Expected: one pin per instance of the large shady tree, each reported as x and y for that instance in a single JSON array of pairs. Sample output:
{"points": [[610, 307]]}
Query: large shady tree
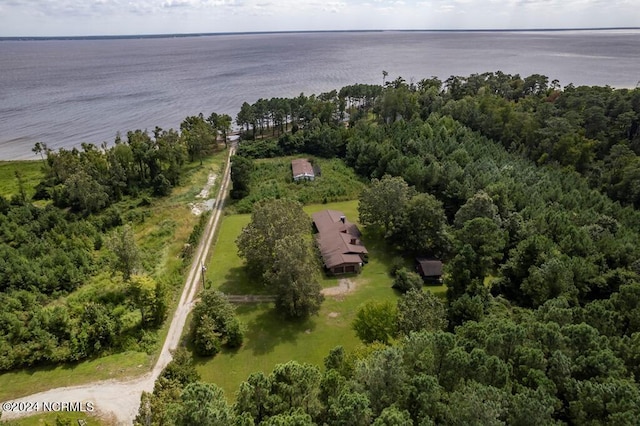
{"points": [[277, 251]]}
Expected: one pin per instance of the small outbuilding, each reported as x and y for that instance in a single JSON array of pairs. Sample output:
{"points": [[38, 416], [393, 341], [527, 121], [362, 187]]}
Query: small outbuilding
{"points": [[339, 243], [429, 269], [302, 169]]}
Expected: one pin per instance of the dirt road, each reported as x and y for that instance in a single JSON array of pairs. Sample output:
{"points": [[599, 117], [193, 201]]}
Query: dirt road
{"points": [[118, 401]]}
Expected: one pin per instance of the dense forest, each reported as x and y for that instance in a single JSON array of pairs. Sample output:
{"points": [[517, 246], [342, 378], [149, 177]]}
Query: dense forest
{"points": [[73, 282], [529, 192]]}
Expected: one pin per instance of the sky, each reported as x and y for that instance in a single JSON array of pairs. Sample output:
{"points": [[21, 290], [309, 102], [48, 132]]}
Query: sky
{"points": [[131, 17]]}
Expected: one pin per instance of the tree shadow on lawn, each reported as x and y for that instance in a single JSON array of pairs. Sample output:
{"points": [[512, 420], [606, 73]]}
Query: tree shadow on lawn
{"points": [[239, 281], [269, 328]]}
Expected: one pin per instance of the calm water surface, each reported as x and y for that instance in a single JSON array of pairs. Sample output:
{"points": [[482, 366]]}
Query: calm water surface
{"points": [[65, 92]]}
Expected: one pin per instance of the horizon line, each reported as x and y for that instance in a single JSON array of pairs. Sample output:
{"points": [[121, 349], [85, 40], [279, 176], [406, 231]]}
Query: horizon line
{"points": [[206, 34]]}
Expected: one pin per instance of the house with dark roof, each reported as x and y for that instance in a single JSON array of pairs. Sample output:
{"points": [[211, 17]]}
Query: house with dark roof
{"points": [[429, 269], [302, 169], [339, 242]]}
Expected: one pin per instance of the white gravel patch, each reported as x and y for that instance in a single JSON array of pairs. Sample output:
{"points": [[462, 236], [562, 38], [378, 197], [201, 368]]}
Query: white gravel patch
{"points": [[344, 286], [200, 207]]}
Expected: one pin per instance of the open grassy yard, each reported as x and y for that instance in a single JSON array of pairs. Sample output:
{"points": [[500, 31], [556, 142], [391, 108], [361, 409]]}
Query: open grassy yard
{"points": [[225, 268], [270, 339], [161, 230]]}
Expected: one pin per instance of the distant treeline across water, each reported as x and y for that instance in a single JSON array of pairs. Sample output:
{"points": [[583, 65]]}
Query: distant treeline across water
{"points": [[67, 91]]}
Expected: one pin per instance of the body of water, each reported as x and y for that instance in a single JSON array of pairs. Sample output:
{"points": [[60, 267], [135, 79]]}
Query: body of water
{"points": [[65, 92]]}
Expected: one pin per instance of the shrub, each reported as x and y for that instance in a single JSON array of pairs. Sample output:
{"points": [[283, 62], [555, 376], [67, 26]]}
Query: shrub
{"points": [[206, 340], [161, 185], [406, 280], [397, 263], [215, 324], [376, 322]]}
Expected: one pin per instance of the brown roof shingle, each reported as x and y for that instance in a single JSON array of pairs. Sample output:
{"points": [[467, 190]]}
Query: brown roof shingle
{"points": [[429, 267], [338, 239], [332, 220]]}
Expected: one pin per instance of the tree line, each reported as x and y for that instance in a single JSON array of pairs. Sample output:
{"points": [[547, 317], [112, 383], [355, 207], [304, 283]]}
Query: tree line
{"points": [[593, 130], [92, 178]]}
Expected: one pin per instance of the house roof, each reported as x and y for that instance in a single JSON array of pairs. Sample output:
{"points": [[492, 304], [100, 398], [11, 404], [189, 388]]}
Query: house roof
{"points": [[338, 239], [429, 267], [332, 220], [335, 254], [301, 167], [352, 243]]}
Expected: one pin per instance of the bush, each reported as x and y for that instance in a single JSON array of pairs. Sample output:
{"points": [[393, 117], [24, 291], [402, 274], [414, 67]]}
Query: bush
{"points": [[264, 148], [406, 280], [197, 231], [161, 186], [397, 263], [376, 322], [206, 340], [215, 324], [109, 218], [235, 333]]}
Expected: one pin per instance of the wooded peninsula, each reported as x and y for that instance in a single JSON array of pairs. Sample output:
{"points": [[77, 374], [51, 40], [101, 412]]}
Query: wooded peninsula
{"points": [[525, 191]]}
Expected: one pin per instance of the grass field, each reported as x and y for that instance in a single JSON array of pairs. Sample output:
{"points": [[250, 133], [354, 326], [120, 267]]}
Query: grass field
{"points": [[161, 231], [31, 174], [271, 178], [63, 417], [269, 338], [26, 381]]}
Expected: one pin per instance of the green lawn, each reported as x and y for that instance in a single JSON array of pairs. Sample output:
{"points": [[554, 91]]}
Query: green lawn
{"points": [[438, 290], [225, 269], [269, 338]]}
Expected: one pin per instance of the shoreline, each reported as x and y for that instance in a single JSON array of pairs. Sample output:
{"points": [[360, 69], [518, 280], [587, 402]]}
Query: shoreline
{"points": [[372, 30]]}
